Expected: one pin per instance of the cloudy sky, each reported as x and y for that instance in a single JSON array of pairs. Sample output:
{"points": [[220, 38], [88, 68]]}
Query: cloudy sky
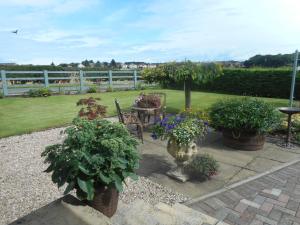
{"points": [[146, 30]]}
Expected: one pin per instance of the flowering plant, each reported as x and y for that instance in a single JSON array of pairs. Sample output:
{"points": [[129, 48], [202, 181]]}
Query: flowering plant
{"points": [[181, 128], [145, 101]]}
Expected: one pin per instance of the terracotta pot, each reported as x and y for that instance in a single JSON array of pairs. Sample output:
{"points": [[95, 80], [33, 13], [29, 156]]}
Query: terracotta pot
{"points": [[105, 200], [243, 140]]}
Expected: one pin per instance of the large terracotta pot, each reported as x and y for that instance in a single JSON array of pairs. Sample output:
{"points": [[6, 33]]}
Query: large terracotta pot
{"points": [[243, 140], [105, 200]]}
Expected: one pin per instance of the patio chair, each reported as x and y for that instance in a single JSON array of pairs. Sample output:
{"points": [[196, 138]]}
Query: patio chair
{"points": [[130, 118]]}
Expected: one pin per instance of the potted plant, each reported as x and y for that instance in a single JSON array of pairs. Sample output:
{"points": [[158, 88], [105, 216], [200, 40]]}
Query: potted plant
{"points": [[244, 121], [148, 101], [95, 159], [181, 132]]}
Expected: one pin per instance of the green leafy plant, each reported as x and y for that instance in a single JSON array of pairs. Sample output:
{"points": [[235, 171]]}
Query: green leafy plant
{"points": [[41, 92], [202, 166], [95, 153], [92, 90], [244, 114], [181, 128], [91, 110]]}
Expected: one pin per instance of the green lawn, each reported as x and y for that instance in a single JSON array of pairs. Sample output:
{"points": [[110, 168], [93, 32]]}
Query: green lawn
{"points": [[24, 115]]}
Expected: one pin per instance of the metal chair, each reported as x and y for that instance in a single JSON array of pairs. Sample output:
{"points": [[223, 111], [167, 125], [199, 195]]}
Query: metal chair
{"points": [[130, 118]]}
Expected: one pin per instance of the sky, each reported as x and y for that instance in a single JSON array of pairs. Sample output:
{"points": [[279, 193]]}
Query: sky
{"points": [[64, 31]]}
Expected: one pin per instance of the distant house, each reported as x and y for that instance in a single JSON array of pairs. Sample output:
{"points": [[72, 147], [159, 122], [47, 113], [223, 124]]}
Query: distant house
{"points": [[80, 66]]}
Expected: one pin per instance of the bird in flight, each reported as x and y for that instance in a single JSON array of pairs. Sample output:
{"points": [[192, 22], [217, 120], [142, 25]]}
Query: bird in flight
{"points": [[15, 32]]}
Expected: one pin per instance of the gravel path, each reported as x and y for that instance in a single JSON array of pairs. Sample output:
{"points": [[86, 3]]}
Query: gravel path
{"points": [[24, 187]]}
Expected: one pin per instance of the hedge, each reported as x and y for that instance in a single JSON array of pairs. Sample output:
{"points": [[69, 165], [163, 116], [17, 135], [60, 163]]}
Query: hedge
{"points": [[260, 82]]}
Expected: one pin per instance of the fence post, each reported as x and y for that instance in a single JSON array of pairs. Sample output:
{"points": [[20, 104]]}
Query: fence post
{"points": [[81, 81], [4, 83], [110, 78], [134, 79], [46, 81]]}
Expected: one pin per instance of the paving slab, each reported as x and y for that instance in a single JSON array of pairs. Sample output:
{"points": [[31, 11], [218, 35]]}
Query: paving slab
{"points": [[257, 201], [235, 165]]}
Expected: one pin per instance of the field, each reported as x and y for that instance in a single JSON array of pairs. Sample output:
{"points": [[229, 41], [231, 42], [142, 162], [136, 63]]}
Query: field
{"points": [[23, 115]]}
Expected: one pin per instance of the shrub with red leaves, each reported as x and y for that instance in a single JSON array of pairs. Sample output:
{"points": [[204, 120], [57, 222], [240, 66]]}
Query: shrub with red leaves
{"points": [[91, 110]]}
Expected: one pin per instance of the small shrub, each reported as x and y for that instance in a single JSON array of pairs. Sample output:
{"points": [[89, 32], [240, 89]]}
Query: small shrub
{"points": [[41, 92], [244, 114], [92, 90], [202, 166], [91, 110], [109, 89]]}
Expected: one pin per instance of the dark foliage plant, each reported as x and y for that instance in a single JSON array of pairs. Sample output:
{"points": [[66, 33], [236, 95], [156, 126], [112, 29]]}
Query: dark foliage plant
{"points": [[95, 153], [202, 167], [244, 114], [91, 108], [41, 92]]}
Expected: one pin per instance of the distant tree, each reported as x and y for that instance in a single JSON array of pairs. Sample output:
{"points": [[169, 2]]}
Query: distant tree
{"points": [[113, 64], [52, 64], [269, 60], [105, 64], [86, 63], [98, 64], [183, 73], [63, 65]]}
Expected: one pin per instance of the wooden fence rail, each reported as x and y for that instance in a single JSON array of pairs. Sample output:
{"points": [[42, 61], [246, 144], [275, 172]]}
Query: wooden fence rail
{"points": [[47, 79]]}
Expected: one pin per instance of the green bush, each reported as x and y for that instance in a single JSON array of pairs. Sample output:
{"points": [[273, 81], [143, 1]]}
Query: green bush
{"points": [[92, 90], [244, 114], [202, 166], [95, 153], [41, 92], [1, 95]]}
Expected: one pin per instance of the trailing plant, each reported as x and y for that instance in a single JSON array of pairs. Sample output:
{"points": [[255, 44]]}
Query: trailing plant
{"points": [[91, 110], [41, 92], [148, 101], [202, 166], [95, 153], [92, 90], [244, 114], [181, 128]]}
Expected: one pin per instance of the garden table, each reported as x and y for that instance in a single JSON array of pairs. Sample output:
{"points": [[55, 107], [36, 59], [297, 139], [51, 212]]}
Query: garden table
{"points": [[290, 111], [143, 112]]}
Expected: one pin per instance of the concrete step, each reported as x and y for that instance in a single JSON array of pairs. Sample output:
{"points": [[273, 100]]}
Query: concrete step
{"points": [[142, 213]]}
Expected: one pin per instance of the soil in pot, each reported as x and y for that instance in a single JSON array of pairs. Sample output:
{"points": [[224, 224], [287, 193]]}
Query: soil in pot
{"points": [[243, 140], [105, 200]]}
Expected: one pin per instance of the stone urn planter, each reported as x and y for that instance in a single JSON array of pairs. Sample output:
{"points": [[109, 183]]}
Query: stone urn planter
{"points": [[243, 140], [182, 155], [105, 200]]}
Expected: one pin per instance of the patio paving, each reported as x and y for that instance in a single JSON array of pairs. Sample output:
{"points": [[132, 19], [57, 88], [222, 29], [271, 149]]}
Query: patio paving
{"points": [[235, 165], [272, 199]]}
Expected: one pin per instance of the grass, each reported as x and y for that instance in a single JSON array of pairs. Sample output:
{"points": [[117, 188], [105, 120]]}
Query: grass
{"points": [[24, 115]]}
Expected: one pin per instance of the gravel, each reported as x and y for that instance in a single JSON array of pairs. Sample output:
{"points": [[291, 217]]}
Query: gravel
{"points": [[24, 186]]}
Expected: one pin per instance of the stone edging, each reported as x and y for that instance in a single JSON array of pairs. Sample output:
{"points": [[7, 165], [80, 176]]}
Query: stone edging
{"points": [[201, 198]]}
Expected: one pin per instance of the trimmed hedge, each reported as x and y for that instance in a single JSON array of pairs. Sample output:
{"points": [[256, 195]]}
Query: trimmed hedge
{"points": [[269, 82]]}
